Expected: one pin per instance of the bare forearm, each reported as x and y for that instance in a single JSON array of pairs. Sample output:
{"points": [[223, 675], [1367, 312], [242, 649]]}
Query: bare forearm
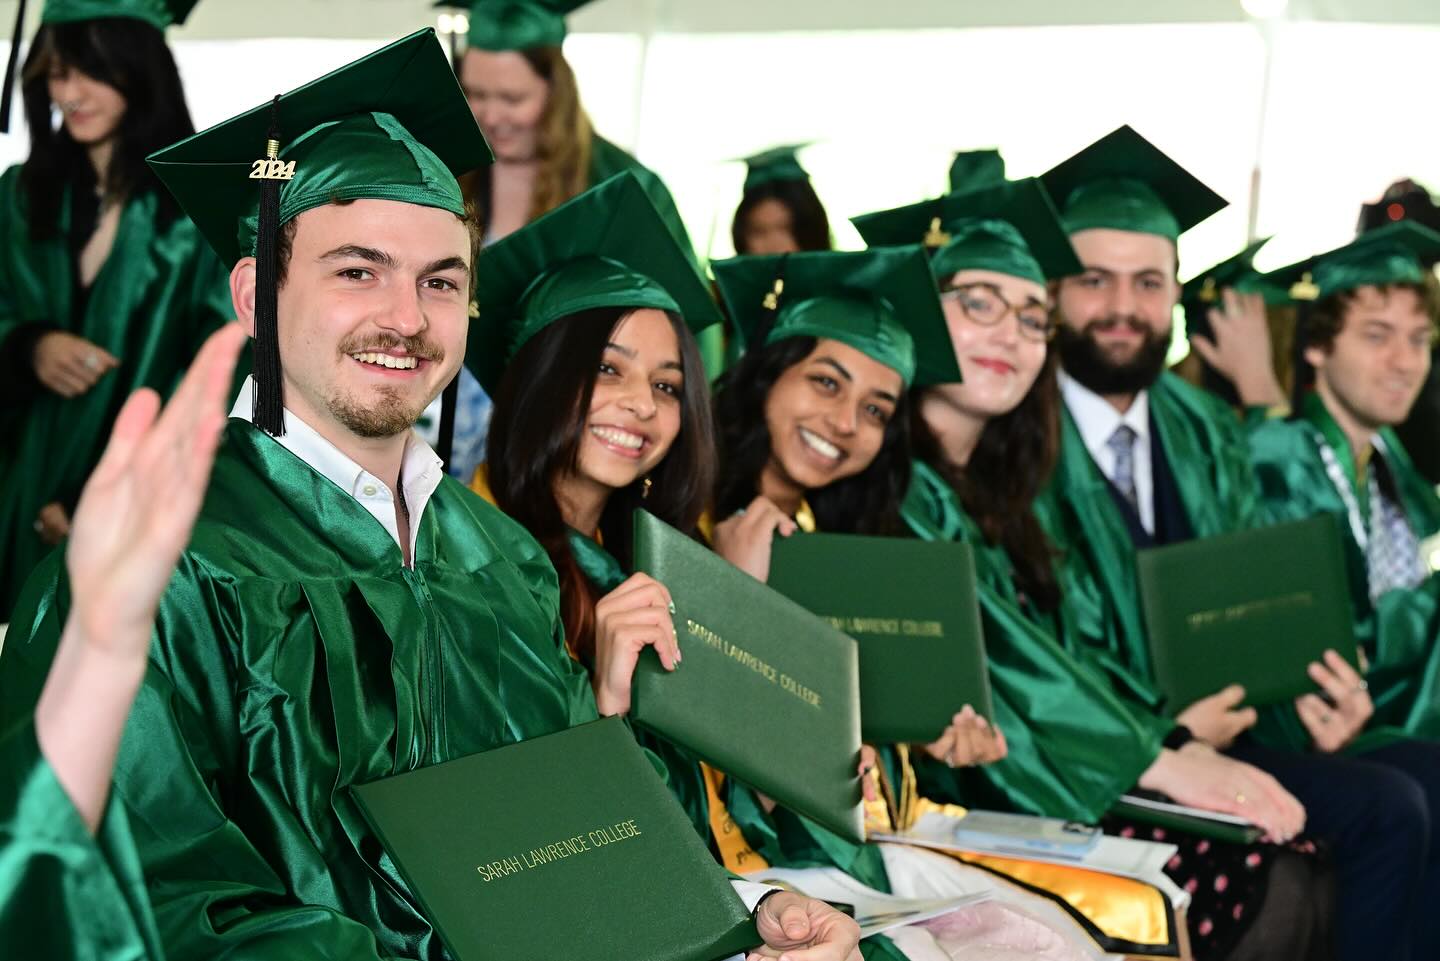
{"points": [[81, 716]]}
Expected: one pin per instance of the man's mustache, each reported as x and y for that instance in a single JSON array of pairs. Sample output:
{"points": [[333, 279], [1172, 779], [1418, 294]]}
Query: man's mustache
{"points": [[378, 343], [1135, 324]]}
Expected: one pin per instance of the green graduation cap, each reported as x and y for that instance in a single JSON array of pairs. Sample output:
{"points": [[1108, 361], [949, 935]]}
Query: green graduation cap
{"points": [[158, 13], [1010, 227], [774, 165], [882, 302], [1124, 182], [608, 247], [1237, 273], [516, 24], [973, 169], [391, 126], [1400, 253]]}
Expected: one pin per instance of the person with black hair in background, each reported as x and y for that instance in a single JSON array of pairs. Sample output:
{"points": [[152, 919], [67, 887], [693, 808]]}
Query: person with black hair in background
{"points": [[779, 211], [105, 287]]}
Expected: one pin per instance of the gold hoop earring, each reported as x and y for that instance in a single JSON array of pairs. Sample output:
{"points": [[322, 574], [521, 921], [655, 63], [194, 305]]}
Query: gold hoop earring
{"points": [[645, 487]]}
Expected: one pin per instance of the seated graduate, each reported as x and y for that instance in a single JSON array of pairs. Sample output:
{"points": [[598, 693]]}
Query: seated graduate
{"points": [[984, 449], [586, 339], [1148, 460], [322, 631], [69, 878], [1366, 338], [779, 211], [813, 427]]}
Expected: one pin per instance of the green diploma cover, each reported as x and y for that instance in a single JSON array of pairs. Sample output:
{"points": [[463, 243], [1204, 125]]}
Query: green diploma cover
{"points": [[1254, 607], [564, 846], [911, 606], [766, 691]]}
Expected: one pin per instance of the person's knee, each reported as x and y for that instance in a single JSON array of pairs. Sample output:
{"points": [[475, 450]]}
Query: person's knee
{"points": [[1399, 807]]}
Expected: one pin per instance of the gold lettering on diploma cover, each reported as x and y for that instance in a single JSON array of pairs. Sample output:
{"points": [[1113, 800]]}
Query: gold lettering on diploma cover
{"points": [[887, 626], [744, 657], [1221, 616], [558, 851]]}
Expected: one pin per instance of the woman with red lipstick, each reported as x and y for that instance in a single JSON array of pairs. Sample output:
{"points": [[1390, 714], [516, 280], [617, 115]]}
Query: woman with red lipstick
{"points": [[104, 287], [984, 449]]}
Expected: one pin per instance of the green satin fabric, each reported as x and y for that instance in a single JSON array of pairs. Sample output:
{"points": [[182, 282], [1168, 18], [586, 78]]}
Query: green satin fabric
{"points": [[1204, 442], [158, 13], [1368, 267], [1119, 203], [986, 244], [296, 658], [367, 156], [782, 838], [66, 896], [157, 297], [514, 25], [586, 284], [1075, 747], [1399, 631], [867, 324]]}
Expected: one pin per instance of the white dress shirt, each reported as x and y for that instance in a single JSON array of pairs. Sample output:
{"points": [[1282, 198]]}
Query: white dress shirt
{"points": [[421, 469], [1098, 421]]}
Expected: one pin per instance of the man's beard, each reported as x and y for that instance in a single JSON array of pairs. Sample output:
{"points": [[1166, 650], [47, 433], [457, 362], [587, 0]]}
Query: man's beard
{"points": [[1083, 358], [388, 413], [387, 416]]}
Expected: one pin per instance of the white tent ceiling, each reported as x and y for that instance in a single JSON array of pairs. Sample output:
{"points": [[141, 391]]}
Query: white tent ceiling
{"points": [[227, 19]]}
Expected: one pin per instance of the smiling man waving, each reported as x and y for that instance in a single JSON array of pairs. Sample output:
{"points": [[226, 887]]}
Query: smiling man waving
{"points": [[344, 611]]}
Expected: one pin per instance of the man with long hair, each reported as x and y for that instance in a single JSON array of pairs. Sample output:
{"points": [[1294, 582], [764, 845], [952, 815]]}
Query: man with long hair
{"points": [[1148, 460]]}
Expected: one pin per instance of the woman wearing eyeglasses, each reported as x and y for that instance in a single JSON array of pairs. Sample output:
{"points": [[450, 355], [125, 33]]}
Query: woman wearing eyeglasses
{"points": [[984, 449]]}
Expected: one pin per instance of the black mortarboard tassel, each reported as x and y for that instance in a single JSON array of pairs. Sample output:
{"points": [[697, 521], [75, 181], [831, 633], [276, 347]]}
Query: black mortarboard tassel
{"points": [[8, 96], [268, 413]]}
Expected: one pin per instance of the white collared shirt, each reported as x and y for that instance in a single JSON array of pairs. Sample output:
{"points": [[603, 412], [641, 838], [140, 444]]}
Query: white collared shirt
{"points": [[421, 469], [1098, 421]]}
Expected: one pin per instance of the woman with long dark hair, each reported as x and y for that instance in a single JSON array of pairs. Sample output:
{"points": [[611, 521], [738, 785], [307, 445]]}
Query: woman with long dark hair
{"points": [[984, 450], [779, 211], [598, 411], [104, 286]]}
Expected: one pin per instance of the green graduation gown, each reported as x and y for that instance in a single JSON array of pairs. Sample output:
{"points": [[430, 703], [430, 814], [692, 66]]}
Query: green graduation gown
{"points": [[1399, 629], [1217, 488], [159, 294], [1075, 746], [65, 895], [294, 656]]}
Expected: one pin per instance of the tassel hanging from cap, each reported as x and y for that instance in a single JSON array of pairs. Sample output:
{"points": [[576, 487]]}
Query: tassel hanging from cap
{"points": [[935, 236], [7, 97], [269, 410]]}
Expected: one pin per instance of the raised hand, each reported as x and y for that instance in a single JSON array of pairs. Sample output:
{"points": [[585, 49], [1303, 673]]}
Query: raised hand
{"points": [[634, 616], [1241, 348], [133, 520]]}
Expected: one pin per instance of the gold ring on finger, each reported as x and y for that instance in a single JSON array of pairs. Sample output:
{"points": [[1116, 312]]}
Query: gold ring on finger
{"points": [[1239, 797]]}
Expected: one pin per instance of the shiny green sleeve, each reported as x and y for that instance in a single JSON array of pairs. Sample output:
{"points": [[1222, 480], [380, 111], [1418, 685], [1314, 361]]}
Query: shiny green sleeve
{"points": [[213, 892], [65, 895]]}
